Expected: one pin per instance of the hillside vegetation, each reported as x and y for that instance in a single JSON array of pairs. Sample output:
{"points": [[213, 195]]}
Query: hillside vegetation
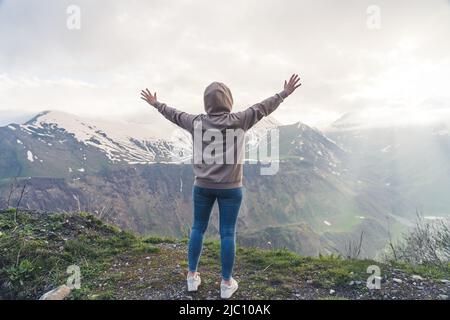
{"points": [[37, 247]]}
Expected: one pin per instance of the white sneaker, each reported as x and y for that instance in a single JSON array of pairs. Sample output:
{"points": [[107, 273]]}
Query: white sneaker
{"points": [[227, 291], [193, 282]]}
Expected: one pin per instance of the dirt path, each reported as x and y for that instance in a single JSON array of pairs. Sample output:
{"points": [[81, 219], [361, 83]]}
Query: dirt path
{"points": [[162, 276]]}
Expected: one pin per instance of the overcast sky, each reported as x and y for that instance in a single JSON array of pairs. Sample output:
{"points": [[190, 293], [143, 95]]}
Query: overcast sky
{"points": [[400, 70]]}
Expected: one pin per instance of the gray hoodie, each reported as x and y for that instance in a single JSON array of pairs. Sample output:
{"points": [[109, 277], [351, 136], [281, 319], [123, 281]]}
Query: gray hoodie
{"points": [[214, 127]]}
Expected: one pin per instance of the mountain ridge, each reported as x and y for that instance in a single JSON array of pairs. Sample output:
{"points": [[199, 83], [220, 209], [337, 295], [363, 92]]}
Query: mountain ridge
{"points": [[320, 182]]}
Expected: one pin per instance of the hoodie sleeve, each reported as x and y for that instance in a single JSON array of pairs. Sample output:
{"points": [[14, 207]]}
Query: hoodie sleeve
{"points": [[180, 118], [248, 118]]}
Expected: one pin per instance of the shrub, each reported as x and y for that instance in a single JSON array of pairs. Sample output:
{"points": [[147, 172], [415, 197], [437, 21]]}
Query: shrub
{"points": [[427, 244]]}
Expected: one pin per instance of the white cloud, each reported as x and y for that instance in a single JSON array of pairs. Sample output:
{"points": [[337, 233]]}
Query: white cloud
{"points": [[177, 48]]}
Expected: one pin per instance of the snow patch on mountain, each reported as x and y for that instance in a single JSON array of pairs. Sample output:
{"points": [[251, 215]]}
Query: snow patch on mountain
{"points": [[134, 143], [30, 156], [123, 141]]}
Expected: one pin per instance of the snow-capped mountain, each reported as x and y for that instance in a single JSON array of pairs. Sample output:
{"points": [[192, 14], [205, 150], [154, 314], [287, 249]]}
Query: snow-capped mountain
{"points": [[313, 147], [133, 173], [119, 141], [60, 144]]}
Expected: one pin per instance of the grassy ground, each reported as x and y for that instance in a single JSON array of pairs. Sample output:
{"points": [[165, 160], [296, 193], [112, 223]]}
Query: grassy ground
{"points": [[36, 249]]}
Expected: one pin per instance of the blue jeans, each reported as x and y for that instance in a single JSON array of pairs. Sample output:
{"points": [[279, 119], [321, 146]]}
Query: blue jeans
{"points": [[229, 201]]}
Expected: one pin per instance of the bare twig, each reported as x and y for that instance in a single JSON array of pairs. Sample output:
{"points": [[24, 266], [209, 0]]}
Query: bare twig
{"points": [[266, 268], [19, 201], [78, 203], [105, 211], [354, 247], [391, 244], [18, 253], [360, 244], [12, 187]]}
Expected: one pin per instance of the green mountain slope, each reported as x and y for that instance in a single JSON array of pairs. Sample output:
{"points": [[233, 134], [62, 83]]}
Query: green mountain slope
{"points": [[38, 247]]}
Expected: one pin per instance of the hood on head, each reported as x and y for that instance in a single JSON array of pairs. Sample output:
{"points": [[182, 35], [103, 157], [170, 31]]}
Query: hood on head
{"points": [[217, 99]]}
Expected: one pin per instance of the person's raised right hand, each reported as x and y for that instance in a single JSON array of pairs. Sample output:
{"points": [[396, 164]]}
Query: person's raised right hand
{"points": [[148, 97]]}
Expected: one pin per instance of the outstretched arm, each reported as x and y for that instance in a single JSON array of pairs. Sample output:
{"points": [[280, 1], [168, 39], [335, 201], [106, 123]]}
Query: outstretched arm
{"points": [[252, 115], [180, 118]]}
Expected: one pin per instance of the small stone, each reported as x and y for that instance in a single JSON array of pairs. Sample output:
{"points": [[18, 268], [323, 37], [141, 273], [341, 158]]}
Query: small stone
{"points": [[416, 277], [147, 258], [309, 281], [420, 287], [396, 280], [59, 293], [445, 281], [443, 297], [332, 291], [351, 283]]}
